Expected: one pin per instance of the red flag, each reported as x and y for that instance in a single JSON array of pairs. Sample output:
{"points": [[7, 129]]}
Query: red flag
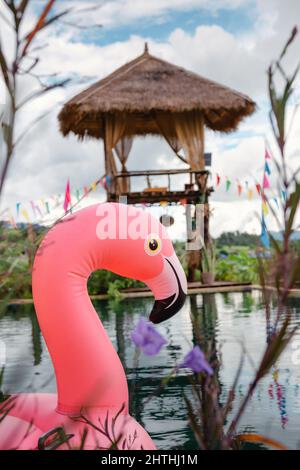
{"points": [[67, 200], [240, 188], [218, 179], [267, 154], [258, 188]]}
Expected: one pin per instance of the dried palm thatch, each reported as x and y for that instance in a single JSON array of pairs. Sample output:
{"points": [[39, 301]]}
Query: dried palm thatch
{"points": [[148, 86]]}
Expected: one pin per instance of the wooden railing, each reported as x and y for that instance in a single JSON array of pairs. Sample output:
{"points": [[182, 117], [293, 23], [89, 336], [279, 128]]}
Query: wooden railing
{"points": [[121, 185]]}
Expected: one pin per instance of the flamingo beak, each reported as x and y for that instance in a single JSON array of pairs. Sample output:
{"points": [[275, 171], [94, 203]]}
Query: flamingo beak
{"points": [[169, 289]]}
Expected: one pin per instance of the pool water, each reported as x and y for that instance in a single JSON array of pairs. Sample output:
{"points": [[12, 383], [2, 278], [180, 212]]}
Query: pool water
{"points": [[228, 321]]}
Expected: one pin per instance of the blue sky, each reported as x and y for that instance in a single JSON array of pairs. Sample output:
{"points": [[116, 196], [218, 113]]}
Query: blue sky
{"points": [[159, 28]]}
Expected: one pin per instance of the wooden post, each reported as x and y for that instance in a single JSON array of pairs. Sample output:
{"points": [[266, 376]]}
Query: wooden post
{"points": [[108, 170]]}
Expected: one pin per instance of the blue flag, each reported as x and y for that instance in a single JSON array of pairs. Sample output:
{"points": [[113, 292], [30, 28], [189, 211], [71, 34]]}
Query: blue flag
{"points": [[264, 235], [267, 168]]}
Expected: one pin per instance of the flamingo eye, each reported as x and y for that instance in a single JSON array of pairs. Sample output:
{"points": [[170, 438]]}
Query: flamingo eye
{"points": [[152, 244]]}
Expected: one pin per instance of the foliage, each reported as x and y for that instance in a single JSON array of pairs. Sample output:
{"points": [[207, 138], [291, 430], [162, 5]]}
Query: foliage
{"points": [[239, 265]]}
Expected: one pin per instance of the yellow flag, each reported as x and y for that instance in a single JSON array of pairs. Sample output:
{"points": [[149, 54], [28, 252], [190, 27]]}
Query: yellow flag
{"points": [[250, 194], [25, 215], [265, 208], [94, 186]]}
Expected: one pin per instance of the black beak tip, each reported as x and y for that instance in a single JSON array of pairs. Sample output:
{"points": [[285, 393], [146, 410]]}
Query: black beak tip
{"points": [[165, 309]]}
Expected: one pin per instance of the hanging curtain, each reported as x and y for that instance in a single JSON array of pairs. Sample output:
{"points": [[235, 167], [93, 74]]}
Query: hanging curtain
{"points": [[122, 149], [184, 131], [190, 133], [114, 130], [165, 124]]}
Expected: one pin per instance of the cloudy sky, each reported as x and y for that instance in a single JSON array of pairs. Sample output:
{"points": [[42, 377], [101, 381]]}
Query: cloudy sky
{"points": [[229, 41]]}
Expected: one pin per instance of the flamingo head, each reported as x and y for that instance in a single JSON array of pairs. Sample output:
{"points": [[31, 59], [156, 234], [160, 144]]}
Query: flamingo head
{"points": [[139, 248]]}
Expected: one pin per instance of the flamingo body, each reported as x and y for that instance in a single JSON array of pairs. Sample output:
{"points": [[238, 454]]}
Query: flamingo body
{"points": [[92, 392]]}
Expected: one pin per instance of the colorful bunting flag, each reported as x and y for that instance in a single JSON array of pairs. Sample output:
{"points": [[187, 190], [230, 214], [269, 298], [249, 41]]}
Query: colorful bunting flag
{"points": [[267, 154], [25, 215], [239, 188], [265, 208], [267, 168], [218, 179], [228, 184], [250, 194], [264, 234], [266, 183], [94, 186], [67, 200], [18, 205], [258, 188]]}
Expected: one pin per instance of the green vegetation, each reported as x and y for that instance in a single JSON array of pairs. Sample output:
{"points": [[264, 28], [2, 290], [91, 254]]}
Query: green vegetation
{"points": [[233, 262]]}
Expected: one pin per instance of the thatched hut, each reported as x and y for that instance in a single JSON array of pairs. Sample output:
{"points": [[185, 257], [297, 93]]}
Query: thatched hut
{"points": [[151, 96]]}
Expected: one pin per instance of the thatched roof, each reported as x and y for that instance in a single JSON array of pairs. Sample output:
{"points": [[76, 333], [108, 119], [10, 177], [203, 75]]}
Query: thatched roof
{"points": [[149, 85]]}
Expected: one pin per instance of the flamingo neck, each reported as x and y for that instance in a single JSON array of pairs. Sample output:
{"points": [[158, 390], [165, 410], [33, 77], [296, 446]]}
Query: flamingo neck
{"points": [[87, 368]]}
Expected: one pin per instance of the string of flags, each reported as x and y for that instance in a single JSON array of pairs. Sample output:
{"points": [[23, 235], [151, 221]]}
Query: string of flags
{"points": [[37, 210], [265, 209]]}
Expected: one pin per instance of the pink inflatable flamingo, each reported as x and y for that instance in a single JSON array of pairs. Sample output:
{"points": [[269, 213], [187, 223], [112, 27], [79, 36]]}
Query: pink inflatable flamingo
{"points": [[92, 393]]}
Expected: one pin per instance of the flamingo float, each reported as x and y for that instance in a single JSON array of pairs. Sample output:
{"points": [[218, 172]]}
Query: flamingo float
{"points": [[91, 403]]}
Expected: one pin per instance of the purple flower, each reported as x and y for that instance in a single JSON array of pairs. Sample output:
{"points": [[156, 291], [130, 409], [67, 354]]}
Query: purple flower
{"points": [[196, 361], [145, 337]]}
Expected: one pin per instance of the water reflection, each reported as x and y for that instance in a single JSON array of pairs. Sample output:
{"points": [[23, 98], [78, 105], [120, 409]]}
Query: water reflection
{"points": [[220, 323]]}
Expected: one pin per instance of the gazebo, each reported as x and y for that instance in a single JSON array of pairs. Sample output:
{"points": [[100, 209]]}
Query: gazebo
{"points": [[151, 96]]}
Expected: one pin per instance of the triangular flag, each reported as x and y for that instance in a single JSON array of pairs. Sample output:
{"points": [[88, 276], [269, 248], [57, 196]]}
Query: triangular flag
{"points": [[267, 154], [47, 207], [67, 200], [228, 184], [250, 194], [239, 188], [77, 194], [265, 208], [86, 190], [258, 188], [283, 194], [267, 168], [18, 205], [218, 179], [94, 186], [264, 234], [266, 183], [25, 215]]}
